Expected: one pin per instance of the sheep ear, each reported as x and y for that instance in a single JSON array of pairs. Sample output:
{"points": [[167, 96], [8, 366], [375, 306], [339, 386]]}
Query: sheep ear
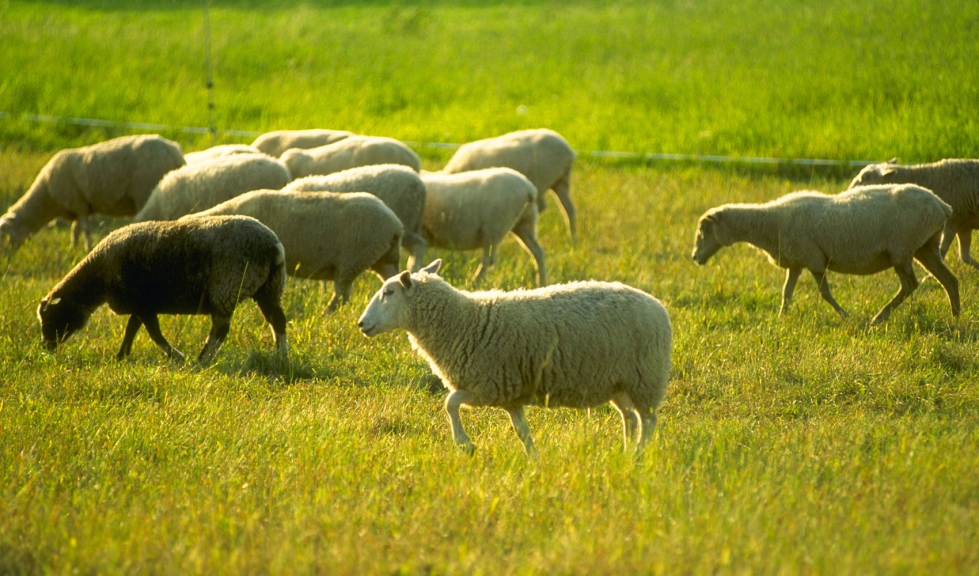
{"points": [[886, 171], [892, 160], [434, 267], [54, 301], [405, 279]]}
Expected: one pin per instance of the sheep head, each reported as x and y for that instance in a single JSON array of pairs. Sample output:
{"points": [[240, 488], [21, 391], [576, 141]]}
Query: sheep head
{"points": [[386, 310], [875, 174], [712, 235], [59, 320]]}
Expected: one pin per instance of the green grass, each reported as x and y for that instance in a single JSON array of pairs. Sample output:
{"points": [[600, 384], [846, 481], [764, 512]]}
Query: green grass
{"points": [[796, 444]]}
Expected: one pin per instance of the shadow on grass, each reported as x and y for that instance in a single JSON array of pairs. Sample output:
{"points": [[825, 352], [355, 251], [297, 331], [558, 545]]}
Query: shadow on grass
{"points": [[274, 366]]}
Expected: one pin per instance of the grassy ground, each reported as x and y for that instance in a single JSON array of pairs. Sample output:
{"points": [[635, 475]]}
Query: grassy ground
{"points": [[800, 444]]}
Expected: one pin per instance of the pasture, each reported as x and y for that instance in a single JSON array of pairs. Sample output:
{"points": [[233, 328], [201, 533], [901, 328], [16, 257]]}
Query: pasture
{"points": [[798, 444]]}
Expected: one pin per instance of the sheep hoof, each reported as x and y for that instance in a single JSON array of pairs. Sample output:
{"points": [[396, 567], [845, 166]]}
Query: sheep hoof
{"points": [[468, 448]]}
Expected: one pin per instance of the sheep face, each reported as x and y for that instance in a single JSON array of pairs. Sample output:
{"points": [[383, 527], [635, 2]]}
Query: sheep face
{"points": [[711, 237], [386, 310], [12, 234], [59, 320], [875, 174]]}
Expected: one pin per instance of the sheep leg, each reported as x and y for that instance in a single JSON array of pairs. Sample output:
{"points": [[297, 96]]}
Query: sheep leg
{"points": [[276, 317], [562, 188], [152, 324], [79, 229], [791, 277], [520, 426], [415, 245], [342, 287], [948, 233], [905, 271], [489, 259], [526, 233], [965, 247], [623, 403], [647, 425], [220, 326], [931, 258], [453, 401], [132, 327], [823, 283]]}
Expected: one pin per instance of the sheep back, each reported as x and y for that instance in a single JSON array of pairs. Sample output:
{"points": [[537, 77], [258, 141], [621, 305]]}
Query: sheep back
{"points": [[200, 186], [461, 210], [542, 155], [326, 235], [956, 181], [220, 151], [276, 142], [350, 152], [399, 187], [574, 345]]}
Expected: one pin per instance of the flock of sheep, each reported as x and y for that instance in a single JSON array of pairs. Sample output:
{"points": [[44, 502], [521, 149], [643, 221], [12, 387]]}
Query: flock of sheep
{"points": [[231, 222]]}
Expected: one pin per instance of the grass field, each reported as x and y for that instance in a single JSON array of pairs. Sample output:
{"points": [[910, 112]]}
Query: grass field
{"points": [[796, 444]]}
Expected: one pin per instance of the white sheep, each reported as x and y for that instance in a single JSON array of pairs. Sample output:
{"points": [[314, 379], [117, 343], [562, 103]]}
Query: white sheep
{"points": [[351, 152], [326, 235], [575, 345], [398, 186], [954, 181], [477, 209], [861, 231], [277, 142], [197, 187], [220, 151], [114, 177], [203, 266], [542, 155]]}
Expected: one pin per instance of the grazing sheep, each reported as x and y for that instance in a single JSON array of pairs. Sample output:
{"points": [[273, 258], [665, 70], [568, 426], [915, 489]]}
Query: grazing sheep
{"points": [[399, 187], [351, 152], [861, 231], [202, 266], [114, 177], [200, 186], [477, 209], [542, 155], [576, 345], [954, 181], [326, 235], [221, 151], [277, 142]]}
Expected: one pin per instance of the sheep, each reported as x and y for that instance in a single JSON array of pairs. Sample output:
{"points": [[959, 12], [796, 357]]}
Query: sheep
{"points": [[477, 209], [861, 231], [277, 142], [954, 181], [576, 345], [399, 187], [326, 235], [114, 177], [221, 151], [351, 152], [200, 186], [541, 155], [202, 266]]}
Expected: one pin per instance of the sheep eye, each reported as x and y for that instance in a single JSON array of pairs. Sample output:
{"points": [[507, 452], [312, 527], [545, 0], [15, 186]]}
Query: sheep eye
{"points": [[387, 292]]}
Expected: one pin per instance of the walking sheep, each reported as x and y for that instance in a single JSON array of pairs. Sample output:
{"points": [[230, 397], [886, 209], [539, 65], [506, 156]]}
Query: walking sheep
{"points": [[954, 181], [201, 266], [114, 177], [351, 152], [399, 187], [326, 235], [861, 231], [221, 151], [277, 142], [541, 155], [477, 209], [200, 186], [576, 345]]}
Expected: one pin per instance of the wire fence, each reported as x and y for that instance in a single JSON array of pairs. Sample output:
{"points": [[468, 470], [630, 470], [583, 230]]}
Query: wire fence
{"points": [[700, 158]]}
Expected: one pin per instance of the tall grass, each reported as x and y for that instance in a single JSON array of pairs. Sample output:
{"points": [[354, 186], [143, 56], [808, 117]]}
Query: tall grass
{"points": [[797, 444]]}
